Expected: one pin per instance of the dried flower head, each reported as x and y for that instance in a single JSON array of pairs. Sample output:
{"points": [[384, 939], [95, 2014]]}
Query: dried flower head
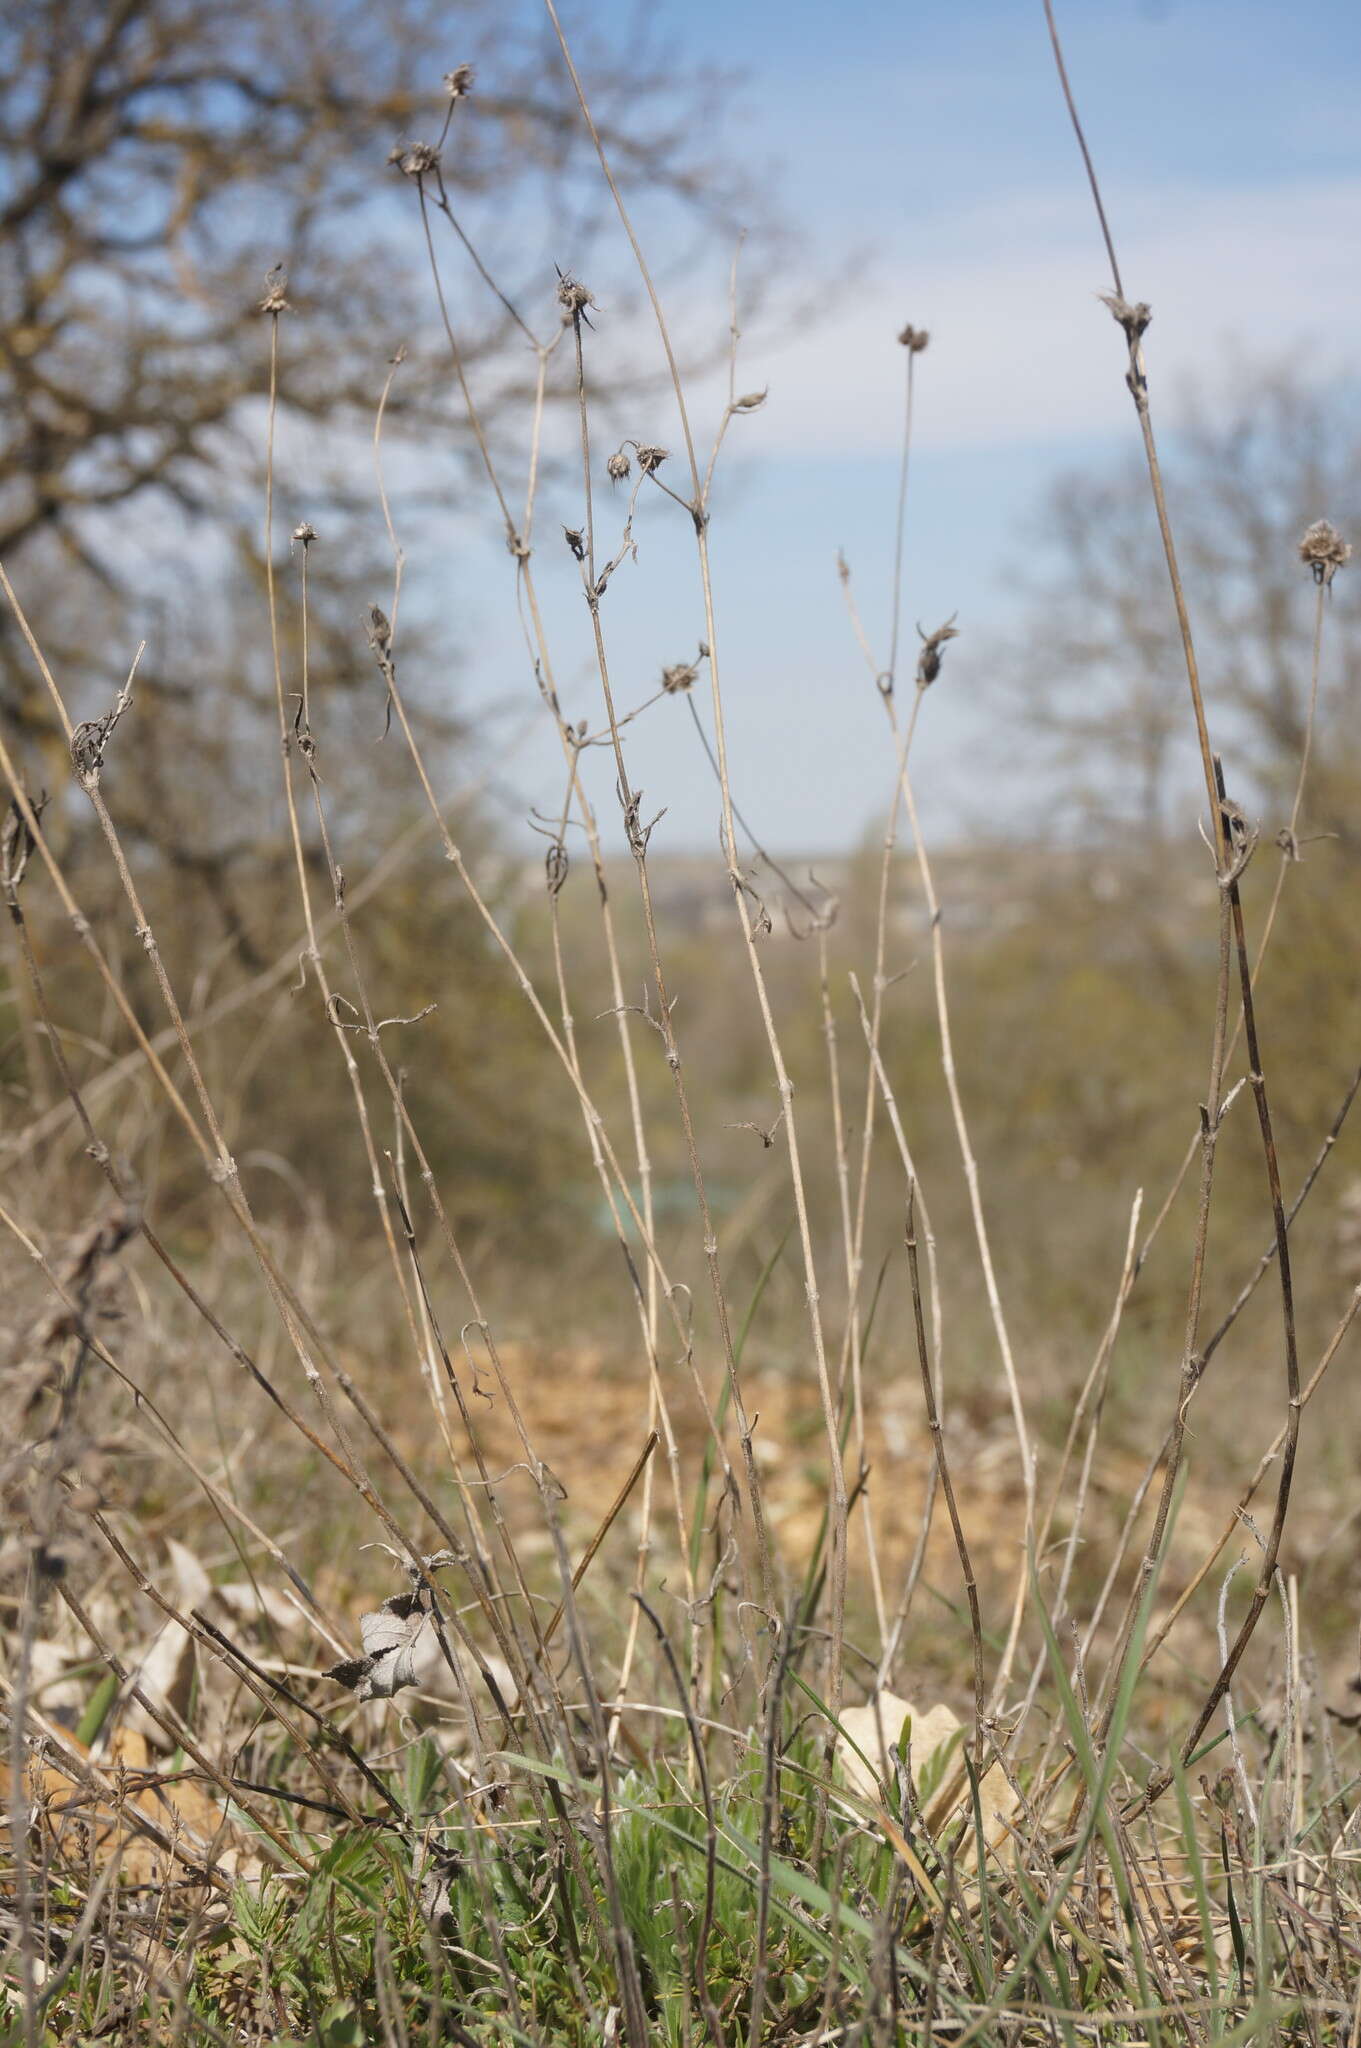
{"points": [[573, 297], [679, 677], [751, 400], [914, 339], [303, 533], [573, 537], [275, 284], [379, 629], [618, 467], [458, 83], [933, 651], [415, 159], [650, 459], [1134, 319], [1324, 551]]}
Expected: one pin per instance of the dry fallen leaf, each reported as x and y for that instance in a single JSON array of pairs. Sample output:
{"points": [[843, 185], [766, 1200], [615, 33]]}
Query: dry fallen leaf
{"points": [[119, 1805], [934, 1740]]}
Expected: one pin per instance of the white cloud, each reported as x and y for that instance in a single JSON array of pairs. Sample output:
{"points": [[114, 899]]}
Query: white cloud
{"points": [[1022, 351]]}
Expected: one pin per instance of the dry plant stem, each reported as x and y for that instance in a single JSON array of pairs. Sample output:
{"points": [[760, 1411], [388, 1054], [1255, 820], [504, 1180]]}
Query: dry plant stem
{"points": [[837, 1495], [837, 1501], [947, 1485], [878, 990], [18, 1813], [1209, 1348], [900, 527], [658, 1409], [81, 925], [642, 1221], [101, 1154], [1211, 1123], [854, 1233], [699, 1967], [1093, 1393], [1289, 854], [21, 1143], [1264, 1465], [659, 1416], [770, 1796], [226, 1509], [848, 1252], [619, 1178], [304, 741], [852, 1342], [970, 1165], [637, 837], [1130, 319], [223, 1171], [598, 1827], [1268, 928], [612, 1515], [1290, 1444], [222, 1167], [517, 1656], [645, 1294], [488, 1595], [1249, 1287], [914, 1569]]}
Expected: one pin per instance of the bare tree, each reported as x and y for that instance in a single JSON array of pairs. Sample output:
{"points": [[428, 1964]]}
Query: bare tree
{"points": [[156, 158], [1101, 681]]}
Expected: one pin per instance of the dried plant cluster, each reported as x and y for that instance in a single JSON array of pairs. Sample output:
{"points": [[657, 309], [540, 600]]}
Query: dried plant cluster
{"points": [[638, 1767]]}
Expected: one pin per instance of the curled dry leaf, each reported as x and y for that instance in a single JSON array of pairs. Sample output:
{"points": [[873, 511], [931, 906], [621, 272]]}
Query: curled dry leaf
{"points": [[934, 1740], [390, 1638]]}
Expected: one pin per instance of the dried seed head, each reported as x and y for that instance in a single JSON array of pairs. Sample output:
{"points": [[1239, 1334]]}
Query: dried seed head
{"points": [[458, 83], [618, 467], [1134, 319], [303, 533], [750, 400], [415, 159], [933, 651], [914, 339], [379, 631], [573, 297], [679, 677], [572, 536], [650, 459], [1324, 550], [275, 283]]}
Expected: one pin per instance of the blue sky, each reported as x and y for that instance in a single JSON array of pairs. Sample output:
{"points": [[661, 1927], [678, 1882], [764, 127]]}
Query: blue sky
{"points": [[923, 158]]}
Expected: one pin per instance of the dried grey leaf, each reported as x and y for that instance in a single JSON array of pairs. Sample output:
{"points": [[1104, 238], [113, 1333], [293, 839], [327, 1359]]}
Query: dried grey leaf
{"points": [[389, 1636]]}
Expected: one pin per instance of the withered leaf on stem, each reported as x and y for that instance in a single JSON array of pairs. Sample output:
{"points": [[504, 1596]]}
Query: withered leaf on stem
{"points": [[389, 1637]]}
